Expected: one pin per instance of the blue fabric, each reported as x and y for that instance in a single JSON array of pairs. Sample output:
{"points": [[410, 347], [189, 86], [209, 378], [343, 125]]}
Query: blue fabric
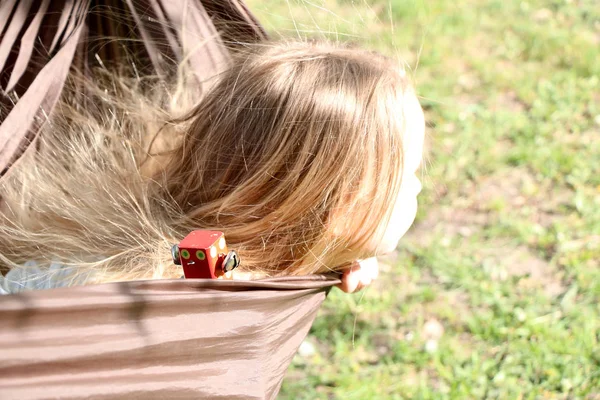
{"points": [[33, 277]]}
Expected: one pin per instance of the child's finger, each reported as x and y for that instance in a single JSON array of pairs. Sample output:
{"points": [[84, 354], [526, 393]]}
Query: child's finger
{"points": [[359, 275], [350, 279]]}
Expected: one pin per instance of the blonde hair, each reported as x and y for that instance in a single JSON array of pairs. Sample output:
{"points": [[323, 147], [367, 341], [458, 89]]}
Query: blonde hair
{"points": [[295, 153]]}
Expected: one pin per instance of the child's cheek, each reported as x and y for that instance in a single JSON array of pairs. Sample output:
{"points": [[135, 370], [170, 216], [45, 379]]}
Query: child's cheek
{"points": [[402, 218]]}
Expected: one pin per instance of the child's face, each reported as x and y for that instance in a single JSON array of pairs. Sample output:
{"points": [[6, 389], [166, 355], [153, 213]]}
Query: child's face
{"points": [[405, 208]]}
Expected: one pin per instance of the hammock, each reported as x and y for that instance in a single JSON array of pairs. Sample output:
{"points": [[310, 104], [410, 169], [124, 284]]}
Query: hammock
{"points": [[162, 339]]}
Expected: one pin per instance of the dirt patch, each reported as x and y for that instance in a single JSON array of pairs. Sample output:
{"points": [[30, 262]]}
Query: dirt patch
{"points": [[510, 185], [512, 189], [446, 223], [517, 190], [512, 193], [508, 101], [457, 300], [504, 261], [482, 202]]}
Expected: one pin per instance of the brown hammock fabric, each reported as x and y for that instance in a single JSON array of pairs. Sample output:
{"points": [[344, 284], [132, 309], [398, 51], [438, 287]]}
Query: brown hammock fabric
{"points": [[163, 339], [184, 339]]}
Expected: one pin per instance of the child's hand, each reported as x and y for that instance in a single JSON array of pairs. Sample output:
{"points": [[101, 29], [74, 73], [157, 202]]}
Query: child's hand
{"points": [[359, 275]]}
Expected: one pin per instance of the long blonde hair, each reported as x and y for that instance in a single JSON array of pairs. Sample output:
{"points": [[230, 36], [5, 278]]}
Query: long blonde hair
{"points": [[295, 153]]}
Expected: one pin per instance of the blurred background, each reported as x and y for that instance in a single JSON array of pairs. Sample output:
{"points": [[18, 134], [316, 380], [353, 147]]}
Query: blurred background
{"points": [[495, 291]]}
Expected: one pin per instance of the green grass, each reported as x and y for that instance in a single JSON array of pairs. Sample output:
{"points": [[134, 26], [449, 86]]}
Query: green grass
{"points": [[505, 254]]}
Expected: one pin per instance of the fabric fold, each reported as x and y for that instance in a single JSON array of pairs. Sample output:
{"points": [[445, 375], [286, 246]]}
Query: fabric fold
{"points": [[41, 41]]}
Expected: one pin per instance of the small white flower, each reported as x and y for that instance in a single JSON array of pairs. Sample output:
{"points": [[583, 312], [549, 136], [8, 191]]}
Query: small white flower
{"points": [[306, 349], [431, 346]]}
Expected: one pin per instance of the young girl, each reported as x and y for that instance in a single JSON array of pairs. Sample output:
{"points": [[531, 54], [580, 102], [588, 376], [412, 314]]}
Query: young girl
{"points": [[305, 155]]}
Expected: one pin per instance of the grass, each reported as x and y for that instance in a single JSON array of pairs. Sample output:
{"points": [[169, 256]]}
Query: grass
{"points": [[495, 293]]}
